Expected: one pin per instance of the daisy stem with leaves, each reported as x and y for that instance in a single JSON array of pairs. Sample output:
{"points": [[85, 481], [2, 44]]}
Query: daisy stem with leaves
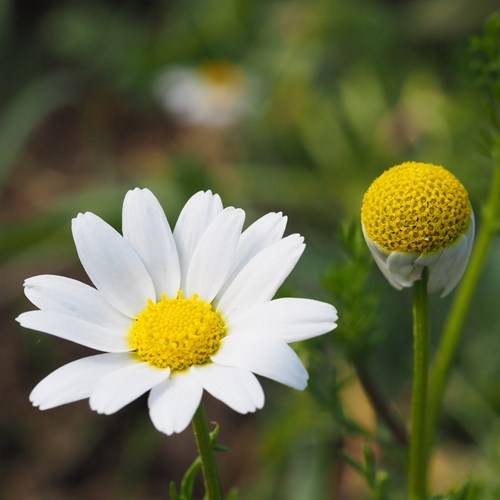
{"points": [[447, 348], [418, 223], [205, 445], [175, 314], [417, 469], [486, 50]]}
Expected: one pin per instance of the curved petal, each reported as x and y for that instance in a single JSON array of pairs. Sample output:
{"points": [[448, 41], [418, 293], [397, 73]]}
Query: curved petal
{"points": [[262, 233], [72, 297], [121, 387], [449, 268], [288, 319], [404, 268], [76, 380], [199, 211], [238, 389], [213, 257], [259, 280], [75, 329], [173, 403], [146, 228], [112, 264], [266, 356], [397, 267]]}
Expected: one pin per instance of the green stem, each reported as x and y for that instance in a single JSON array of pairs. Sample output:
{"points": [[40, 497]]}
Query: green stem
{"points": [[213, 488], [447, 348], [417, 465], [380, 404]]}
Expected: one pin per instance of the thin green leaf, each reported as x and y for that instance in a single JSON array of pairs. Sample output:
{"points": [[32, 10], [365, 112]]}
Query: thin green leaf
{"points": [[187, 483]]}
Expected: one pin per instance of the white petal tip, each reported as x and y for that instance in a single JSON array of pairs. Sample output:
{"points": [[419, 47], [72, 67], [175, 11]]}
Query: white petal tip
{"points": [[39, 403], [101, 410], [138, 191], [35, 402], [22, 317], [43, 407], [169, 431], [302, 380], [302, 386], [28, 282], [82, 215]]}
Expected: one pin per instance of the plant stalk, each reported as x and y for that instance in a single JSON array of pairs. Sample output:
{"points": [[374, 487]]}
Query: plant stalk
{"points": [[448, 345], [213, 488], [417, 460], [381, 405]]}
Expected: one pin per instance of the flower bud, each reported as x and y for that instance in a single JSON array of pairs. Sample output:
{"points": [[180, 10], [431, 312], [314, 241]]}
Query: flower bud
{"points": [[418, 215]]}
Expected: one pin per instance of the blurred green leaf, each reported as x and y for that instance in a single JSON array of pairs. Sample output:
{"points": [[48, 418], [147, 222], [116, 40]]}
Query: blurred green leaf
{"points": [[26, 110]]}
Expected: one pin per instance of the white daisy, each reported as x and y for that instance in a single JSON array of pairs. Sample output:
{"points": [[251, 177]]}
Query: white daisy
{"points": [[216, 94], [176, 313]]}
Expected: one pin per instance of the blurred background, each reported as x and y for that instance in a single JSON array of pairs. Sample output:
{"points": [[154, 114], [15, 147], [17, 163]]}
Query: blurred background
{"points": [[292, 106]]}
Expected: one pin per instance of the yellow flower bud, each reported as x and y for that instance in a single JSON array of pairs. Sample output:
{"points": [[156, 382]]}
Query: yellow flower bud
{"points": [[418, 215]]}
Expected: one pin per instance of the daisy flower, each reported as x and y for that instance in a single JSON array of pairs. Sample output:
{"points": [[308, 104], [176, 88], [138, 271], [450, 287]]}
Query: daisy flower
{"points": [[418, 215], [176, 313], [215, 94]]}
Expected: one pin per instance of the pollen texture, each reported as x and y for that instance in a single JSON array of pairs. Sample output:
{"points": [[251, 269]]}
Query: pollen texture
{"points": [[415, 208], [177, 333]]}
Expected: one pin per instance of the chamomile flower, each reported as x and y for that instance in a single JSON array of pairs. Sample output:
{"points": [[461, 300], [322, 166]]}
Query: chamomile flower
{"points": [[176, 313], [215, 94], [418, 215]]}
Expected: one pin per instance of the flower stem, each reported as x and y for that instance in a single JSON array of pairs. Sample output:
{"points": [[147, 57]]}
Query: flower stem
{"points": [[213, 488], [380, 404], [447, 348], [417, 462]]}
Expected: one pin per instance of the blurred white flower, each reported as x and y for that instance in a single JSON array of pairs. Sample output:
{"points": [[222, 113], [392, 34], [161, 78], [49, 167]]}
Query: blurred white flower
{"points": [[176, 313], [217, 94]]}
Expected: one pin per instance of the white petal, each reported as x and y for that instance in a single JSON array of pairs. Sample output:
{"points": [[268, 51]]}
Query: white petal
{"points": [[446, 272], [68, 296], [288, 319], [173, 403], [75, 380], [214, 254], [259, 280], [197, 214], [75, 329], [112, 264], [239, 389], [398, 268], [404, 268], [121, 387], [262, 233], [266, 356], [146, 228], [446, 266]]}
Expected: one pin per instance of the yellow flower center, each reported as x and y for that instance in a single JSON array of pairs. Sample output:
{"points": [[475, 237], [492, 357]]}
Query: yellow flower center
{"points": [[222, 73], [415, 208], [177, 333]]}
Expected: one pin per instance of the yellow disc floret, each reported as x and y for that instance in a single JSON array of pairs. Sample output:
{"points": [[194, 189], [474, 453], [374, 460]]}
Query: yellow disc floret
{"points": [[177, 333], [415, 208]]}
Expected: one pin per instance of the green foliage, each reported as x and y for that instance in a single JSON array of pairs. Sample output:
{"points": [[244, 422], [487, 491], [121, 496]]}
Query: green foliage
{"points": [[353, 291], [376, 480], [471, 490], [186, 489], [486, 67]]}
